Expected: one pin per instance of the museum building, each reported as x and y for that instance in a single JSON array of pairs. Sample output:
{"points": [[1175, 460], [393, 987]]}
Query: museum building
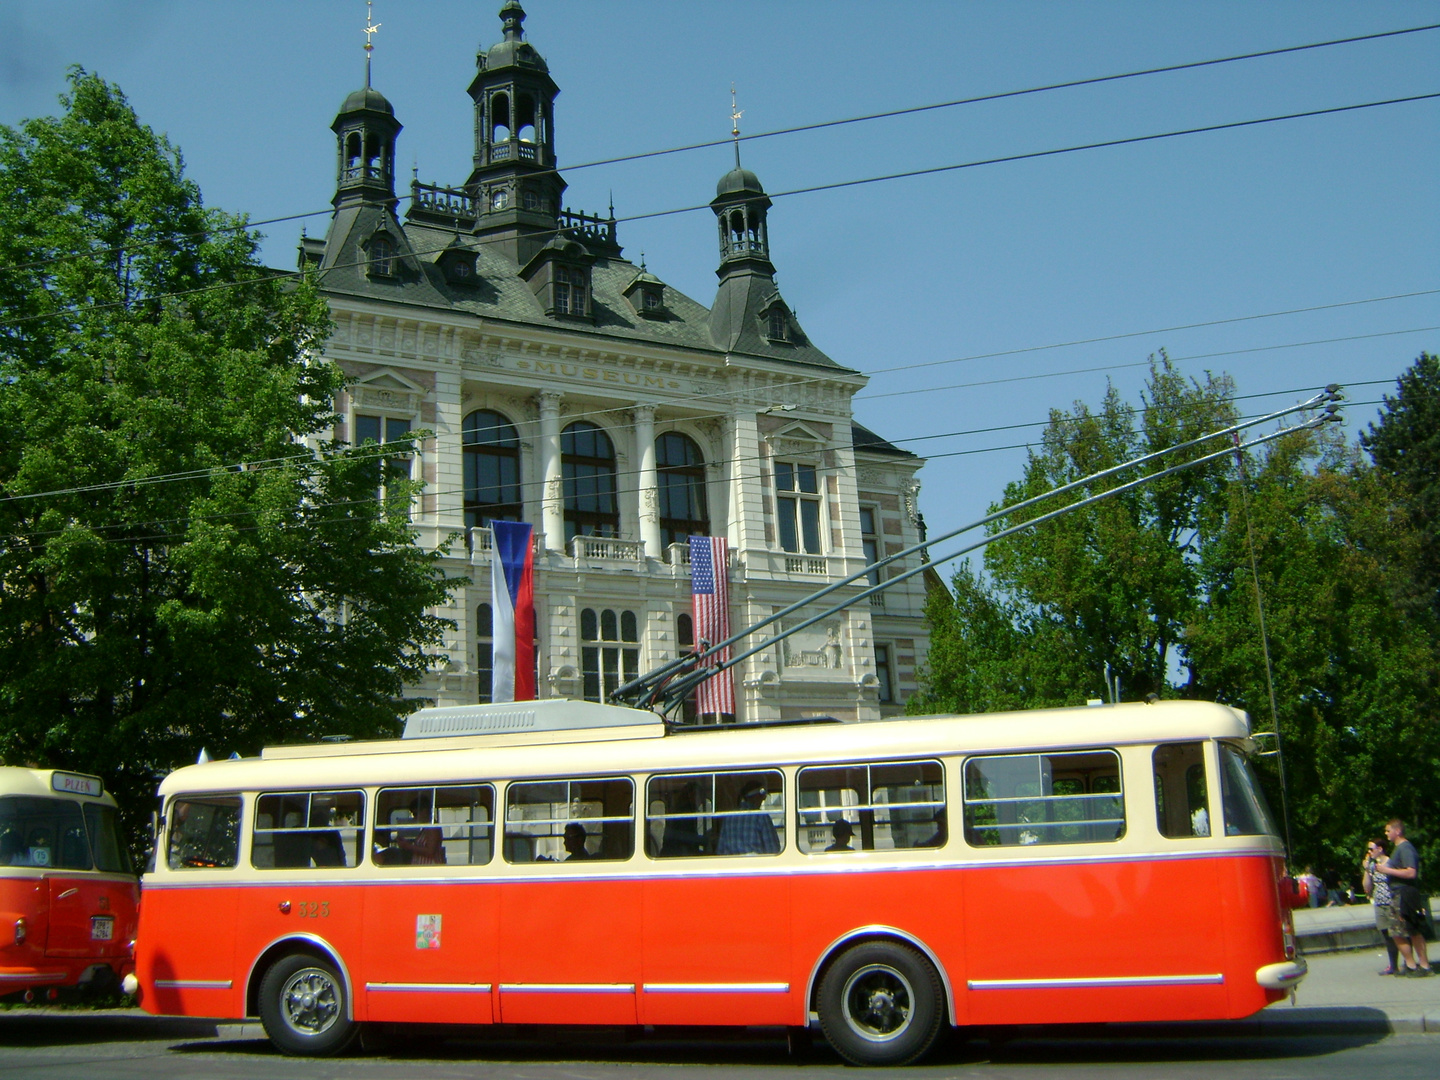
{"points": [[567, 387]]}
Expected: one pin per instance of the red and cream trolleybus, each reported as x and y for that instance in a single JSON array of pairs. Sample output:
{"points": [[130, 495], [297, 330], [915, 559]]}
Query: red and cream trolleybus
{"points": [[67, 891], [562, 862]]}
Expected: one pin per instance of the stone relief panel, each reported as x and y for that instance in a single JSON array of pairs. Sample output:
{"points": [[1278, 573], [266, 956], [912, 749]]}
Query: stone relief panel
{"points": [[816, 648]]}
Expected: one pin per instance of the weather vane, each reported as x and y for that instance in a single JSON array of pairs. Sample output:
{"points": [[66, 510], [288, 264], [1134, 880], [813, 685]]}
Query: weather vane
{"points": [[735, 115], [370, 27]]}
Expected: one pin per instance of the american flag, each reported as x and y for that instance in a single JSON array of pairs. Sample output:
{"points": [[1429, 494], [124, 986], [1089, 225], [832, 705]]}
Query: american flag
{"points": [[710, 596]]}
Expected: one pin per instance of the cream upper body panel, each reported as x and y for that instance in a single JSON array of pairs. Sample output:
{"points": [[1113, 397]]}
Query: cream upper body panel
{"points": [[574, 753]]}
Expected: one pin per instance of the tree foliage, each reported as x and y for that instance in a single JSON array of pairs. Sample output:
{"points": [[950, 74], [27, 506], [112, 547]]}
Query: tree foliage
{"points": [[184, 561], [1159, 585]]}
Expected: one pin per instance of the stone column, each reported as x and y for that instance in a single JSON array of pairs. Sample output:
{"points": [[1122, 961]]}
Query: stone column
{"points": [[552, 491], [649, 484]]}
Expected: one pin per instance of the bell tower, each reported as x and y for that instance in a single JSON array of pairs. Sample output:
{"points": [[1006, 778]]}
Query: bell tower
{"points": [[514, 184], [366, 130]]}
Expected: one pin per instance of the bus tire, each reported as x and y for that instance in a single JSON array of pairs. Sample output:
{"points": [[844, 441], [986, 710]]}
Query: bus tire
{"points": [[303, 1006], [881, 1003]]}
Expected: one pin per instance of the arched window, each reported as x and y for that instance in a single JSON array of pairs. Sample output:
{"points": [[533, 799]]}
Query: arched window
{"points": [[492, 469], [587, 462], [525, 119], [685, 642], [680, 470], [500, 118], [352, 155]]}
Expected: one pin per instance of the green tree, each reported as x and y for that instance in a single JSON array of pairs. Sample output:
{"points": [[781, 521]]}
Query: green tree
{"points": [[184, 561], [1405, 443], [1355, 665], [1112, 585]]}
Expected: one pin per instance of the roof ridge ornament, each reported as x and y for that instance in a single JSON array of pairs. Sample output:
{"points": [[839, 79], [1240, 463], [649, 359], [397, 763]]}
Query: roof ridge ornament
{"points": [[512, 18], [735, 115], [371, 26]]}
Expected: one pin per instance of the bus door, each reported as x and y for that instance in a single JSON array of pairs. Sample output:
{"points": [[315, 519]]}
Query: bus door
{"points": [[570, 928], [431, 932], [717, 909], [186, 958]]}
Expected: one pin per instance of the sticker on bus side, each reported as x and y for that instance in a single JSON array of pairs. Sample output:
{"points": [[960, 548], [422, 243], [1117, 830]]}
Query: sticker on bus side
{"points": [[77, 784], [427, 931]]}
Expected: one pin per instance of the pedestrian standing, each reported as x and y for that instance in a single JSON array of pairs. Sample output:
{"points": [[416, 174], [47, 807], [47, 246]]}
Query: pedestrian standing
{"points": [[1377, 887], [1403, 870]]}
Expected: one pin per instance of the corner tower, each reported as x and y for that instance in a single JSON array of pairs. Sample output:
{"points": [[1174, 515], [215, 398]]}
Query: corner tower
{"points": [[514, 184]]}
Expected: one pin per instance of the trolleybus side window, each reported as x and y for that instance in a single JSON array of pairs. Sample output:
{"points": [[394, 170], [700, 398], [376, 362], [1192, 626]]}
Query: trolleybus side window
{"points": [[1246, 811], [434, 826], [36, 831], [724, 813], [1182, 800], [571, 821], [299, 829], [1022, 799], [871, 807], [204, 832]]}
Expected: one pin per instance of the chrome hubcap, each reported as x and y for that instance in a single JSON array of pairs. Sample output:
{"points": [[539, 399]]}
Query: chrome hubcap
{"points": [[878, 1003], [310, 1002]]}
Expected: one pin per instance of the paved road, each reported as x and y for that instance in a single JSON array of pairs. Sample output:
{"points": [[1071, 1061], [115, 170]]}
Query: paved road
{"points": [[128, 1045]]}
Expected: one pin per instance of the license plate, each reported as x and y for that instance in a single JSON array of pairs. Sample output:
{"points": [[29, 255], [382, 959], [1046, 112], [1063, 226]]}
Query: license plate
{"points": [[102, 928]]}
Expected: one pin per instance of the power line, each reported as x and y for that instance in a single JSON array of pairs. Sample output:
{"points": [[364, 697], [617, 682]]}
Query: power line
{"points": [[525, 488], [1142, 363], [823, 124], [291, 275]]}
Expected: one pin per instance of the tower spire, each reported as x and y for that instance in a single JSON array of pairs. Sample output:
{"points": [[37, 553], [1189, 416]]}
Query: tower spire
{"points": [[370, 27], [735, 115]]}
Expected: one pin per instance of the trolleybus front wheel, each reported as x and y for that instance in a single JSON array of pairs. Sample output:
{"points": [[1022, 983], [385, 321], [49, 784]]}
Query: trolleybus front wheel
{"points": [[881, 1003], [303, 1007]]}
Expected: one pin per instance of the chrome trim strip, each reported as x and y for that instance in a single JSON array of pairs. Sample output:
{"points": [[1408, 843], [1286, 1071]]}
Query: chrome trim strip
{"points": [[567, 988], [431, 988], [192, 984], [889, 931], [653, 870], [34, 976], [1097, 983], [716, 988]]}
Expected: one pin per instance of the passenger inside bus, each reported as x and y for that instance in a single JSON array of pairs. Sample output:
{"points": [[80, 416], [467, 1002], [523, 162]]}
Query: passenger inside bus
{"points": [[575, 838], [749, 832], [842, 831]]}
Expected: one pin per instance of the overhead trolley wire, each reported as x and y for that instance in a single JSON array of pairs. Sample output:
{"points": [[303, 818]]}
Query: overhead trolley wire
{"points": [[821, 125], [833, 186]]}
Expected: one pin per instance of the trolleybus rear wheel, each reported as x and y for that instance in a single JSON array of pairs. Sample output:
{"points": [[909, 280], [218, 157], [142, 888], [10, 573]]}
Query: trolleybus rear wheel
{"points": [[303, 1007], [881, 1003]]}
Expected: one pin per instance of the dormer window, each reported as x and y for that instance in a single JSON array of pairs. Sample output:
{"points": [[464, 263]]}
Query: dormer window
{"points": [[778, 325], [571, 291], [381, 253], [650, 300]]}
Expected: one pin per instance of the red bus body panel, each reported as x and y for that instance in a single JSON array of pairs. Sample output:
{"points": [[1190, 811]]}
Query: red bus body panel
{"points": [[59, 910], [732, 949]]}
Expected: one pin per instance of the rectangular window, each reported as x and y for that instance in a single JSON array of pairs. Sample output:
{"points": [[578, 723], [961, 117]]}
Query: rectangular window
{"points": [[1182, 801], [434, 826], [609, 651], [870, 541], [1063, 798], [1246, 811], [111, 855], [797, 507], [570, 820], [37, 831], [882, 672], [729, 813], [886, 807], [204, 832], [301, 829], [379, 430]]}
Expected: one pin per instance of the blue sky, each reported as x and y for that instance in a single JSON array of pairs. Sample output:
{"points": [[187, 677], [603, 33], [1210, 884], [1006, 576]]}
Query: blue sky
{"points": [[956, 266]]}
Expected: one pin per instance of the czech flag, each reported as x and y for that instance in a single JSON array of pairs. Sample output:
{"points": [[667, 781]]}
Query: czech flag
{"points": [[512, 598]]}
